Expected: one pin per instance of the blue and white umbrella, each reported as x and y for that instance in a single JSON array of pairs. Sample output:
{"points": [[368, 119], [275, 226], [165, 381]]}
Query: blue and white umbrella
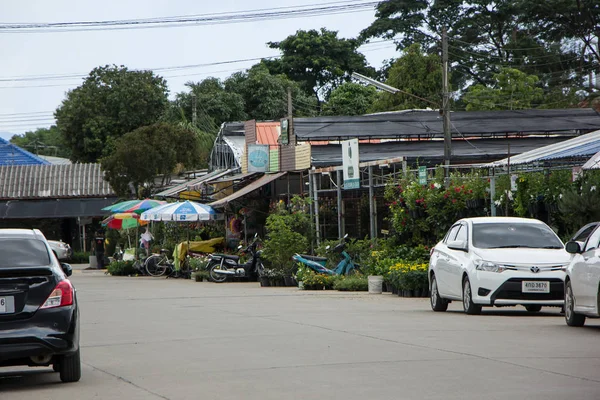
{"points": [[187, 211]]}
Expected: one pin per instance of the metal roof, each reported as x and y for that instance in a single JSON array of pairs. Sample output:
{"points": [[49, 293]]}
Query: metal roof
{"points": [[53, 181], [260, 182], [432, 151], [267, 133], [11, 154], [192, 184], [582, 146], [428, 124]]}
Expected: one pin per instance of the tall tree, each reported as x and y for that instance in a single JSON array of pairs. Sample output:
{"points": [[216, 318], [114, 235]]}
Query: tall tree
{"points": [[319, 60], [513, 90], [111, 102], [147, 152], [419, 76], [43, 141], [350, 99], [265, 94], [214, 104], [485, 36]]}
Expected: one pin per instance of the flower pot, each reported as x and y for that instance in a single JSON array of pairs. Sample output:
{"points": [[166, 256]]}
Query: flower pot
{"points": [[264, 281], [93, 262], [407, 293], [375, 284], [289, 281], [394, 290]]}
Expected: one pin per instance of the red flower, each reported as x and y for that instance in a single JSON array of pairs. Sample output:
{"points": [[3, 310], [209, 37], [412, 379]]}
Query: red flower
{"points": [[453, 200], [446, 195], [457, 189], [470, 190]]}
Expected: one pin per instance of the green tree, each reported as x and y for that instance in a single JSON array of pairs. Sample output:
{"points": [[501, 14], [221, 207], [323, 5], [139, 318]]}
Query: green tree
{"points": [[350, 99], [419, 76], [512, 90], [484, 37], [43, 141], [214, 104], [111, 102], [265, 94], [147, 152], [318, 60]]}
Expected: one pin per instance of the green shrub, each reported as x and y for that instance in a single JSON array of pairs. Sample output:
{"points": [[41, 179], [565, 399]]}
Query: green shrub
{"points": [[200, 275], [351, 283], [314, 281], [80, 257], [121, 268]]}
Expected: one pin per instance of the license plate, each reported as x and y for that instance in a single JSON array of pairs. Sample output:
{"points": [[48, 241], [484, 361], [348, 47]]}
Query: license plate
{"points": [[536, 287], [3, 305]]}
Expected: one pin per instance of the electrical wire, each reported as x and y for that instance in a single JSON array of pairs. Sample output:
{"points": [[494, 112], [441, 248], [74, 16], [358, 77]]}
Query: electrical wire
{"points": [[194, 20]]}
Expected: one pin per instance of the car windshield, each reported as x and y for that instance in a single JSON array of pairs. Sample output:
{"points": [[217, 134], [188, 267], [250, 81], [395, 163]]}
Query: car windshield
{"points": [[23, 253], [514, 235]]}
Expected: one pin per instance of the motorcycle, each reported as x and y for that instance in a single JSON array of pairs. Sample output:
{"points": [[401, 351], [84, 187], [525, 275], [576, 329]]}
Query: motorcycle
{"points": [[223, 266], [319, 264]]}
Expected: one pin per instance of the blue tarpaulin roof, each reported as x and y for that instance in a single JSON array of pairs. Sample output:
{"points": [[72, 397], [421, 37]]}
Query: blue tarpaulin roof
{"points": [[11, 154]]}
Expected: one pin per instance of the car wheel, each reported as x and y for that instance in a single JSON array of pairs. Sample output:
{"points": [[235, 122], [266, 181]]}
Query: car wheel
{"points": [[437, 303], [70, 367], [468, 306], [571, 317], [533, 308]]}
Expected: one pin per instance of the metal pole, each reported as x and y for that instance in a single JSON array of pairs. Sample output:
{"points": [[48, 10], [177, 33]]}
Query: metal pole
{"points": [[372, 204], [509, 180], [290, 113], [493, 192], [339, 204], [316, 201], [446, 106], [310, 196]]}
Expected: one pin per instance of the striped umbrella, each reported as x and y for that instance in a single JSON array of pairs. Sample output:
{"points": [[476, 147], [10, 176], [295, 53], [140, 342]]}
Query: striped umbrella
{"points": [[123, 221], [134, 206], [187, 211]]}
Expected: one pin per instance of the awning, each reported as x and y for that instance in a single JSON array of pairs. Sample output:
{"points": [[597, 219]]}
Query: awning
{"points": [[268, 178], [582, 146], [55, 208], [233, 178]]}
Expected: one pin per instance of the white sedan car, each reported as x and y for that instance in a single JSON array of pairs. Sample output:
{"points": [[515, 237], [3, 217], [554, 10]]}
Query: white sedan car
{"points": [[498, 261], [583, 280]]}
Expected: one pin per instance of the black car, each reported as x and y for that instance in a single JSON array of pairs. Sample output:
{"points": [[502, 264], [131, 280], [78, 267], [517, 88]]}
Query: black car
{"points": [[39, 316]]}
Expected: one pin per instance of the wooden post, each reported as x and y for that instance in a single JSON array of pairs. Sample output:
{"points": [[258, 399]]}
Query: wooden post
{"points": [[339, 204]]}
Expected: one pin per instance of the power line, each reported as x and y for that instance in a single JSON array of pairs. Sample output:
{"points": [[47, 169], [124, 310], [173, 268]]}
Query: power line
{"points": [[194, 20]]}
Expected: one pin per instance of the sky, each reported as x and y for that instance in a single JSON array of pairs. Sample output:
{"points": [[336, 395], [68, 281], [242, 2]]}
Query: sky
{"points": [[28, 104]]}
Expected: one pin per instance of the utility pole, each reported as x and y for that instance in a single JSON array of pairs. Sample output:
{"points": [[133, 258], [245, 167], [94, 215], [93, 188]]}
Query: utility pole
{"points": [[290, 112], [446, 106], [194, 110]]}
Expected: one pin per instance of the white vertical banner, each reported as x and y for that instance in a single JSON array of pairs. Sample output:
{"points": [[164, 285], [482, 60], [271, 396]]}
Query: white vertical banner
{"points": [[350, 160]]}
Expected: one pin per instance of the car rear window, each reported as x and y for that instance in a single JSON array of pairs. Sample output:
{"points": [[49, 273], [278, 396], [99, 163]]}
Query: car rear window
{"points": [[23, 253], [514, 235]]}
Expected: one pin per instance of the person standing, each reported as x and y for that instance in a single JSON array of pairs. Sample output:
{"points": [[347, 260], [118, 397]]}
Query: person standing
{"points": [[99, 242], [145, 239]]}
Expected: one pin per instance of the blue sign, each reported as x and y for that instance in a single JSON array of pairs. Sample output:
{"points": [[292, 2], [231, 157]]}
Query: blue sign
{"points": [[258, 158]]}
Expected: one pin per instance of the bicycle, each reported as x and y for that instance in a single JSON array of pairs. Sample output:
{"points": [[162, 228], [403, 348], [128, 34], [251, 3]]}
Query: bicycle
{"points": [[157, 265]]}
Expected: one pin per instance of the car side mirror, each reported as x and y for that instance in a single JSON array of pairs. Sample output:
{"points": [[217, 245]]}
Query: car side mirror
{"points": [[459, 245], [67, 269], [573, 247]]}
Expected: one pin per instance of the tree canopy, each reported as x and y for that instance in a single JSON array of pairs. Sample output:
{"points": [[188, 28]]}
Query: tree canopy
{"points": [[512, 90], [419, 76], [318, 60], [111, 102], [350, 99], [141, 155], [43, 141]]}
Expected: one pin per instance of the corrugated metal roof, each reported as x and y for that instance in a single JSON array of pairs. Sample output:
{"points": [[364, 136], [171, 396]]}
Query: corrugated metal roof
{"points": [[11, 154], [191, 185], [53, 181], [267, 133], [260, 182], [582, 146]]}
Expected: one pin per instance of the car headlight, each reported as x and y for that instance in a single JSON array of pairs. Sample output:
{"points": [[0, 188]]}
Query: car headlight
{"points": [[489, 266]]}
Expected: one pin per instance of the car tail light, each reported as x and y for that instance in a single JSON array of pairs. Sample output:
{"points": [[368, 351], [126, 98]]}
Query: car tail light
{"points": [[61, 296]]}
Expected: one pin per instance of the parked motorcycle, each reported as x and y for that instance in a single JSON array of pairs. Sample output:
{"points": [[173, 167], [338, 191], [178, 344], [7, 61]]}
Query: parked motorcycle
{"points": [[223, 266], [319, 264]]}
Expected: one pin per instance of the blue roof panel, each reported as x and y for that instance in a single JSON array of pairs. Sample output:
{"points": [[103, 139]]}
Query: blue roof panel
{"points": [[587, 149], [11, 154]]}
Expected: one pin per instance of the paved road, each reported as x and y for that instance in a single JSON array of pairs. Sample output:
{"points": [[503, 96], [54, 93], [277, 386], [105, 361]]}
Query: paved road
{"points": [[173, 339]]}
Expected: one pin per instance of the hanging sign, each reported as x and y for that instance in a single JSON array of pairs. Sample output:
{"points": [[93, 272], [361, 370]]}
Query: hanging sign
{"points": [[258, 158], [350, 164], [422, 175]]}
